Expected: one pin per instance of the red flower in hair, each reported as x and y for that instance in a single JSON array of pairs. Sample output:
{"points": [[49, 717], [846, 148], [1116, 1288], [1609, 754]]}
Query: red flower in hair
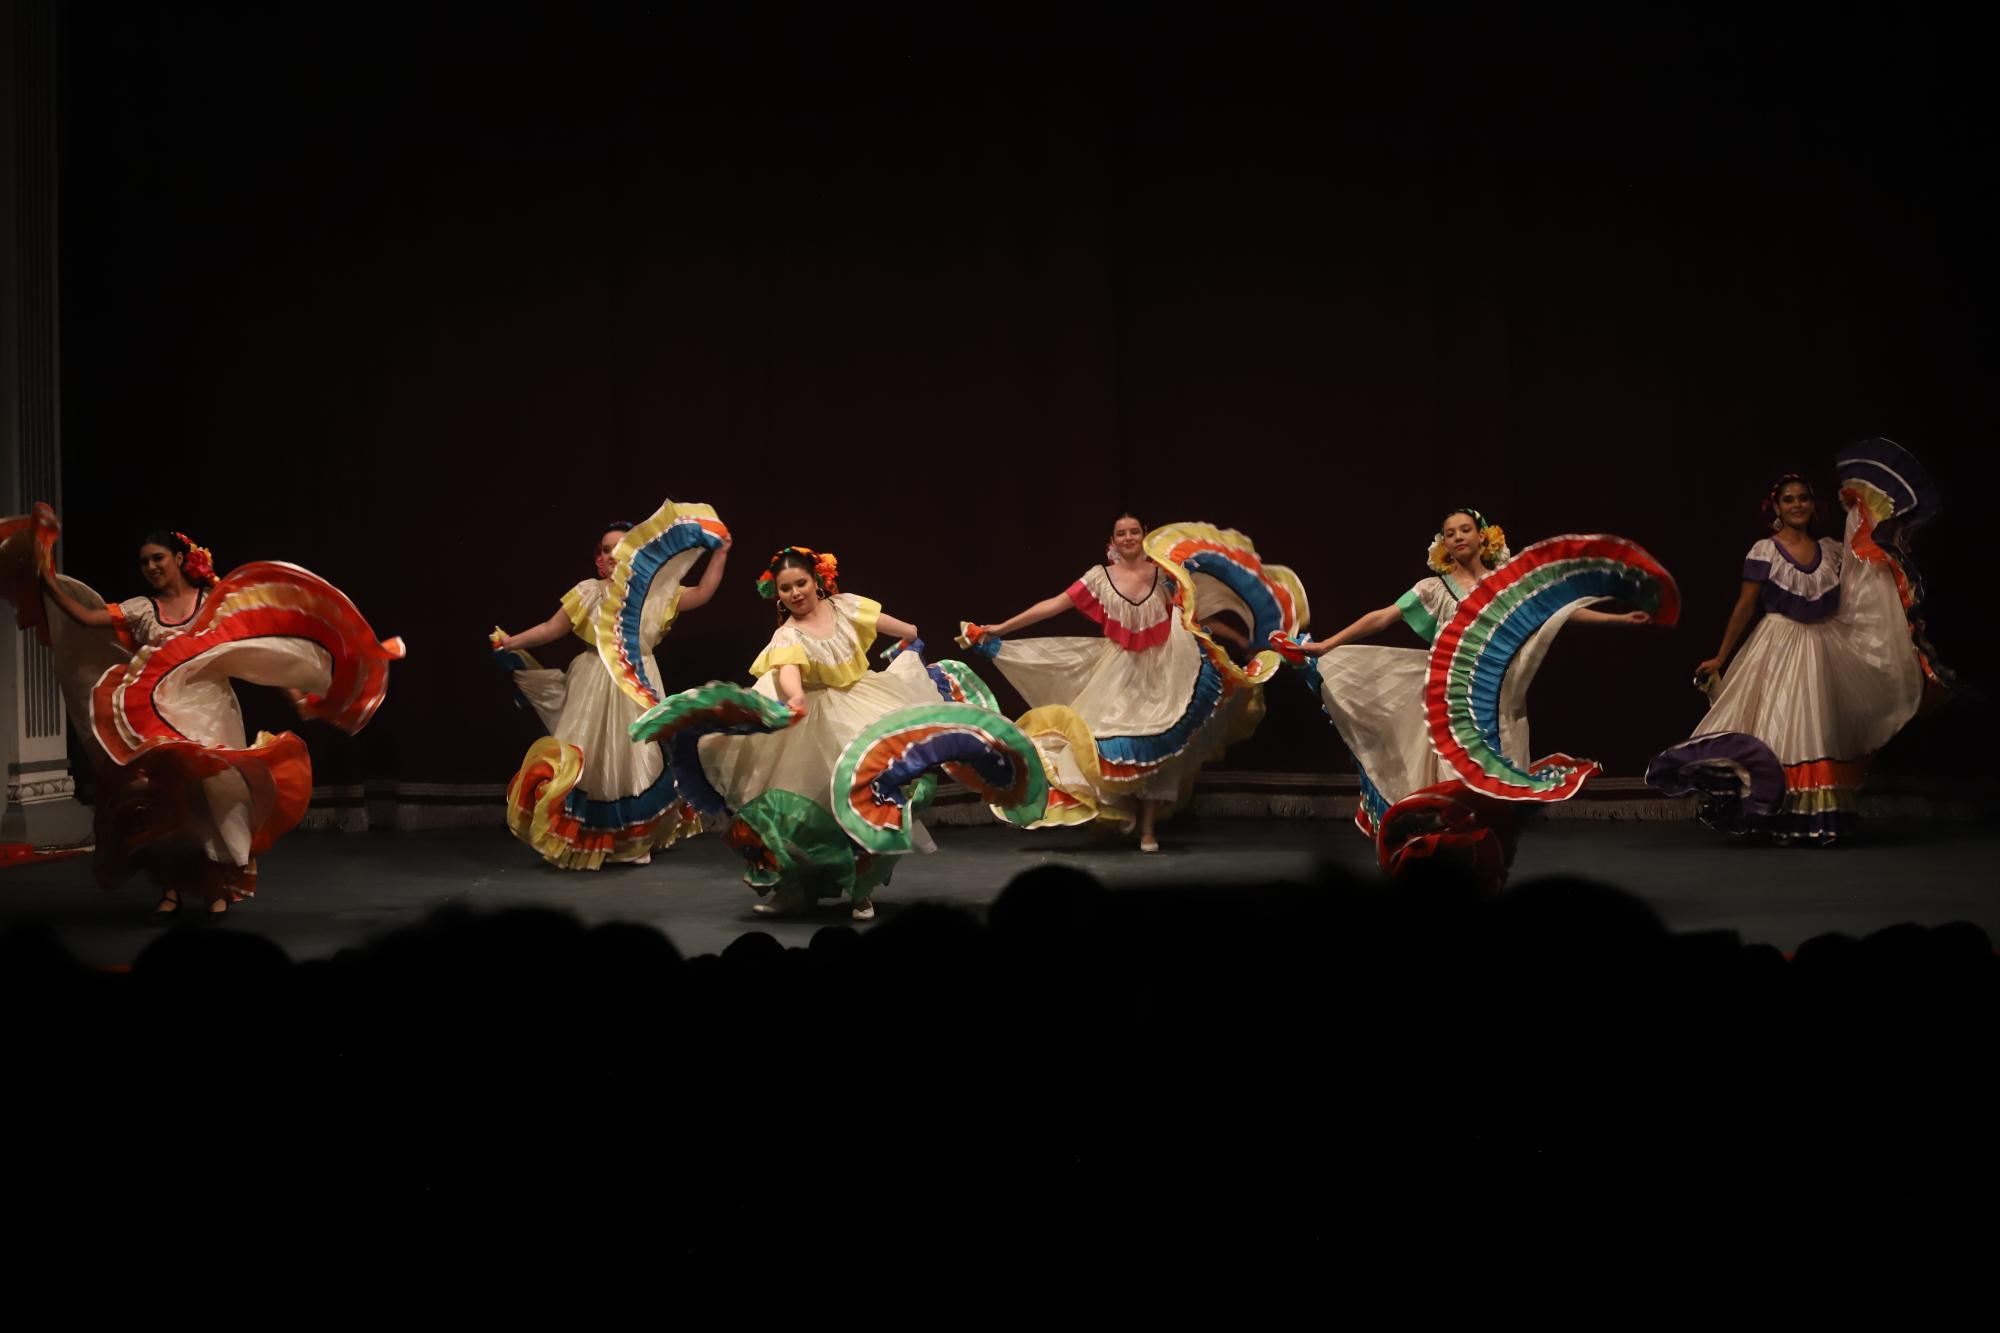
{"points": [[199, 563]]}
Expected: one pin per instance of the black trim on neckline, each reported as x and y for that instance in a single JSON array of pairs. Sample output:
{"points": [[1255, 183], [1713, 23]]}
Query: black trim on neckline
{"points": [[200, 596], [1121, 592]]}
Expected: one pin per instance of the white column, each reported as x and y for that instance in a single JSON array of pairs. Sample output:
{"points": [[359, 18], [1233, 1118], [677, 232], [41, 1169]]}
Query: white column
{"points": [[39, 804]]}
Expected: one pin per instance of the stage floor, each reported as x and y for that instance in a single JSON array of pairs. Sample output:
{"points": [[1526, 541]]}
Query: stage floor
{"points": [[326, 891]]}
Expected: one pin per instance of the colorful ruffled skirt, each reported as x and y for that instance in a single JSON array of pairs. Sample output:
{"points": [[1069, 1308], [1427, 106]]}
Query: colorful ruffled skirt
{"points": [[1116, 726], [1375, 698], [1440, 737], [822, 804], [587, 793]]}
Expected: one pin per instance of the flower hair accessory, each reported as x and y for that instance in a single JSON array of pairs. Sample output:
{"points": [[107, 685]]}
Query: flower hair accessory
{"points": [[825, 568], [1492, 543], [199, 563]]}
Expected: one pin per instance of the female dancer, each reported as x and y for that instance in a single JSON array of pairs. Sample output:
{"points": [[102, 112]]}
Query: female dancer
{"points": [[587, 793], [1376, 696], [824, 765], [1829, 673], [1124, 720], [816, 664], [182, 790]]}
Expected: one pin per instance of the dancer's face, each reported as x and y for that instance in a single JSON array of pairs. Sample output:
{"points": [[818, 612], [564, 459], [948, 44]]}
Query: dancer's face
{"points": [[1795, 505], [605, 546], [1461, 538], [160, 567], [1128, 537], [797, 592]]}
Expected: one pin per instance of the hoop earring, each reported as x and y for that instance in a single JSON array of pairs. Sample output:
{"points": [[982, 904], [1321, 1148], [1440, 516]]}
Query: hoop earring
{"points": [[1777, 525]]}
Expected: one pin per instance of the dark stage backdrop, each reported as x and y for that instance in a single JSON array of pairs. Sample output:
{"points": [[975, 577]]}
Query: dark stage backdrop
{"points": [[420, 296]]}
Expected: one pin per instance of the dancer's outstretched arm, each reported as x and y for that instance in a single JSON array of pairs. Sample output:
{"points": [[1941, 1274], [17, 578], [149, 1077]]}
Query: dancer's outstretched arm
{"points": [[1043, 610], [894, 628], [711, 579], [1739, 621], [1372, 623], [548, 631], [1228, 633], [95, 618], [1589, 617]]}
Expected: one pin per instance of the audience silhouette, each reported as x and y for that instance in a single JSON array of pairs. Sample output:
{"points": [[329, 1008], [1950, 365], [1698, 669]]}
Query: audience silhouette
{"points": [[1277, 1060]]}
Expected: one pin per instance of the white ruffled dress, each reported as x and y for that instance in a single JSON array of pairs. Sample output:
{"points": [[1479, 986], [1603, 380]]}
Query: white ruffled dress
{"points": [[206, 711], [1826, 677], [1147, 697], [622, 803]]}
